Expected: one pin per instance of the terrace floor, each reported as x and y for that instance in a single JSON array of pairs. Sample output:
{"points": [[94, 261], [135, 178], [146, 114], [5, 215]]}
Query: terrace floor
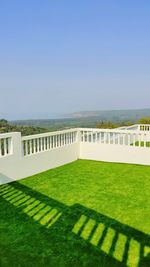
{"points": [[86, 213]]}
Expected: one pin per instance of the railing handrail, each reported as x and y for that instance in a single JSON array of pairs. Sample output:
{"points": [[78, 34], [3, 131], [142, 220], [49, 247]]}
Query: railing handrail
{"points": [[7, 135], [29, 137], [34, 136], [114, 131], [61, 147]]}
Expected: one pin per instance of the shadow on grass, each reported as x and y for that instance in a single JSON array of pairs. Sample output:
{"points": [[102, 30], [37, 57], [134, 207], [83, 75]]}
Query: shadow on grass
{"points": [[39, 231]]}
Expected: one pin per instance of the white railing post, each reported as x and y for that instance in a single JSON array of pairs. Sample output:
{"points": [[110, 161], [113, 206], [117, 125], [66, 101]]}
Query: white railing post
{"points": [[17, 149], [11, 144]]}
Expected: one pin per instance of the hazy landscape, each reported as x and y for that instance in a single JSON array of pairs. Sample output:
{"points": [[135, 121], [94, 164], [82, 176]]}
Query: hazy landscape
{"points": [[90, 119], [86, 119]]}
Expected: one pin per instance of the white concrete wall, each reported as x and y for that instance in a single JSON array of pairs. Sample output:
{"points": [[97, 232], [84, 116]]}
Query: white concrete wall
{"points": [[16, 165], [12, 167], [22, 157], [115, 153]]}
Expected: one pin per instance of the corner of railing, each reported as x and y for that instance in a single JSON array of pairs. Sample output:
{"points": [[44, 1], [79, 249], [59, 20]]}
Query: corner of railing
{"points": [[16, 144], [10, 144]]}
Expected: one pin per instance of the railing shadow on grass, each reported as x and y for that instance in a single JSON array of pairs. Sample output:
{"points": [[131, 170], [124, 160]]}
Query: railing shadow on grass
{"points": [[130, 246], [70, 236]]}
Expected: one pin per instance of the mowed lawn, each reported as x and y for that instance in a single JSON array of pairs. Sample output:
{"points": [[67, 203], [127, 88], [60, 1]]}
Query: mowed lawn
{"points": [[86, 213]]}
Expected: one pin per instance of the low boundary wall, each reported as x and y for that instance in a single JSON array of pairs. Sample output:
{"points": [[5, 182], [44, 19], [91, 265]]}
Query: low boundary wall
{"points": [[25, 156]]}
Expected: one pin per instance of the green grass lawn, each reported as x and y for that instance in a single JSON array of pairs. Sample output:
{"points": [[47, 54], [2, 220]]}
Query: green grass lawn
{"points": [[86, 213]]}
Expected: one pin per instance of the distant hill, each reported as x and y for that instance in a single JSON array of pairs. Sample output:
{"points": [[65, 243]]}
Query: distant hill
{"points": [[113, 114], [86, 119]]}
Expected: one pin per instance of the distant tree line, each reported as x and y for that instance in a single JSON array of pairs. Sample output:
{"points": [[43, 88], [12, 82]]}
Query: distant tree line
{"points": [[145, 120], [112, 125], [6, 126]]}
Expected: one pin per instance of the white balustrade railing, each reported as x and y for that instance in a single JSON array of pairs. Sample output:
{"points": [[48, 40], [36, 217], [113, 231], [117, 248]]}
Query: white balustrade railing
{"points": [[24, 156], [136, 127], [5, 145], [144, 127], [116, 137], [44, 142]]}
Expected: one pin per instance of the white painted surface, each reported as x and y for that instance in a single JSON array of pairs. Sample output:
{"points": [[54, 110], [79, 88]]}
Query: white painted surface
{"points": [[114, 153], [24, 156], [17, 168], [17, 164]]}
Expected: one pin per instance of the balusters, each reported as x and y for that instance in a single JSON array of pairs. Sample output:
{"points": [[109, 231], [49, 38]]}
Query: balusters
{"points": [[128, 139], [116, 139], [51, 141], [5, 146], [38, 144], [134, 140], [108, 136], [56, 138], [67, 136], [144, 140], [105, 138], [139, 140], [84, 136], [30, 146], [34, 146], [48, 143], [44, 144], [73, 137], [60, 139], [113, 138], [89, 137], [124, 139], [64, 139]]}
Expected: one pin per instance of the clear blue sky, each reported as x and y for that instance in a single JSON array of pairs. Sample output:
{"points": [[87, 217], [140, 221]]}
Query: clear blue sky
{"points": [[63, 56]]}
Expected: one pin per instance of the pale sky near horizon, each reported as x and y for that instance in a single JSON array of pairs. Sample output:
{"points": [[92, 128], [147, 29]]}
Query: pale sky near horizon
{"points": [[62, 56]]}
